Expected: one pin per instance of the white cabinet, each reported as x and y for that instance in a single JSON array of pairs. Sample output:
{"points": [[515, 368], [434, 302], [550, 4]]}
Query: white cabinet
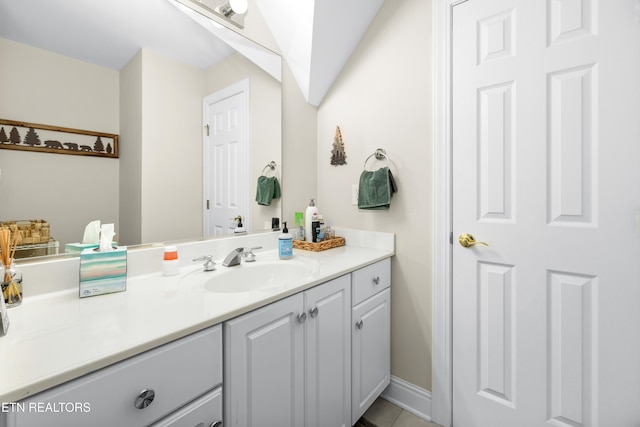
{"points": [[263, 375], [135, 392], [288, 364], [318, 358], [370, 336], [328, 354]]}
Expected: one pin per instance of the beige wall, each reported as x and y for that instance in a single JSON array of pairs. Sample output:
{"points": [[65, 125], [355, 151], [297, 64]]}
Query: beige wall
{"points": [[37, 86], [299, 159], [382, 99], [161, 173], [265, 132], [171, 149], [130, 230]]}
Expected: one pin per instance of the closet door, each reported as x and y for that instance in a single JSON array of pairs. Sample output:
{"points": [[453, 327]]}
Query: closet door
{"points": [[545, 131]]}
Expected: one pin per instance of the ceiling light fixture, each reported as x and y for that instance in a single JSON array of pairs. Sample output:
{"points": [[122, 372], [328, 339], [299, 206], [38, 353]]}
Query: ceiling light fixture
{"points": [[234, 7], [222, 11]]}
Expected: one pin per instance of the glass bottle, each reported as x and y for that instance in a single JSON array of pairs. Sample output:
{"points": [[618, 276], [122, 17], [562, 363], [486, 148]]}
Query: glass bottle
{"points": [[12, 285]]}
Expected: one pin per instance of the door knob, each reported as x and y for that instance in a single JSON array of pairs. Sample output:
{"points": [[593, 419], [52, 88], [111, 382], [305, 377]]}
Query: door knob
{"points": [[467, 240]]}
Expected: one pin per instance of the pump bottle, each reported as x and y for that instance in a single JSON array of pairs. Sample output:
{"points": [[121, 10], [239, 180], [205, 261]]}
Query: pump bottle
{"points": [[285, 243], [310, 215]]}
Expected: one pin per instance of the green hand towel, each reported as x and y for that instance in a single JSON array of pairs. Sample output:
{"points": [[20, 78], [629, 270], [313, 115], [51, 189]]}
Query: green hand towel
{"points": [[375, 189], [268, 189]]}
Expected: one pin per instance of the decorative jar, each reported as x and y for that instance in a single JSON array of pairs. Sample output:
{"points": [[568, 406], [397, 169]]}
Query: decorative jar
{"points": [[11, 285]]}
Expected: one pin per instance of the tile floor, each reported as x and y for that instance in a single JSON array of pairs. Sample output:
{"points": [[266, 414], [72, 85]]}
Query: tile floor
{"points": [[385, 414]]}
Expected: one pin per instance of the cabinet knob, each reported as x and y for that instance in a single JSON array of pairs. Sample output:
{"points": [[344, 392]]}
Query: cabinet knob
{"points": [[314, 311], [359, 324], [145, 398], [376, 280], [302, 317], [216, 424]]}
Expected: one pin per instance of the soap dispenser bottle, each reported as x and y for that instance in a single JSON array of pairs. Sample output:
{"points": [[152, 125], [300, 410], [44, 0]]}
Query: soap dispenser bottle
{"points": [[310, 215], [285, 243], [239, 227]]}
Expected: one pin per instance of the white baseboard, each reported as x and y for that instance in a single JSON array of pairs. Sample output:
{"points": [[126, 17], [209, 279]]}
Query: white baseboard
{"points": [[409, 397]]}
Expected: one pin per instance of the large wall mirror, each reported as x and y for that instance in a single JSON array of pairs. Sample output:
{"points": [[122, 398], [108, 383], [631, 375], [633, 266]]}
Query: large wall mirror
{"points": [[147, 71]]}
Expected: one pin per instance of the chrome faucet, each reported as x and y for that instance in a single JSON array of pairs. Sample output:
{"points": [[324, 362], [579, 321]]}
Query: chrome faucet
{"points": [[209, 265], [248, 254], [236, 255]]}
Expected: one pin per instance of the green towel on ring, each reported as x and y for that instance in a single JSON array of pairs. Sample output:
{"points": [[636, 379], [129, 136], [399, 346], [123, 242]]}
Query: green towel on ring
{"points": [[268, 189], [376, 189]]}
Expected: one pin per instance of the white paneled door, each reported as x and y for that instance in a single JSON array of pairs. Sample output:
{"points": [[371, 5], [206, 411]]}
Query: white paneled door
{"points": [[226, 158], [546, 171]]}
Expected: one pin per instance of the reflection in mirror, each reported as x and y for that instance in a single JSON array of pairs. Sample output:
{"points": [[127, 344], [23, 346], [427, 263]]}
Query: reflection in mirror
{"points": [[110, 68]]}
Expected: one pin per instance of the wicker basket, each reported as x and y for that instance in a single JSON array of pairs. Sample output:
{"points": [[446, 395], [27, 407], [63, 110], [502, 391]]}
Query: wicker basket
{"points": [[320, 246], [32, 232]]}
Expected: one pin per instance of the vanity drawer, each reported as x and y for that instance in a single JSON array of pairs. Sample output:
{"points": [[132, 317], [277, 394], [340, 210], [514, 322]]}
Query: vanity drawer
{"points": [[205, 411], [370, 280], [175, 374]]}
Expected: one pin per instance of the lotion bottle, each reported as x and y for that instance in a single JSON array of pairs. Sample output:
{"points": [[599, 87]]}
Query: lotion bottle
{"points": [[310, 215], [170, 262], [285, 243]]}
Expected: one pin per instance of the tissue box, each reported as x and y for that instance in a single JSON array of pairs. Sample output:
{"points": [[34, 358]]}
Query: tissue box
{"points": [[76, 248], [103, 272]]}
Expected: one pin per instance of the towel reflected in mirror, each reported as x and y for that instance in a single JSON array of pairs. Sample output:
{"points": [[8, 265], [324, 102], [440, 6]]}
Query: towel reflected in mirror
{"points": [[268, 188]]}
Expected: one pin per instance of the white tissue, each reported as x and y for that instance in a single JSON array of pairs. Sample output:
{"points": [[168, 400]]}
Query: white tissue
{"points": [[92, 232], [106, 237]]}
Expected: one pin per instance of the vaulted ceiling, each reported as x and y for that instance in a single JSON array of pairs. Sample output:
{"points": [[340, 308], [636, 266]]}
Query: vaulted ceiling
{"points": [[110, 33], [317, 37]]}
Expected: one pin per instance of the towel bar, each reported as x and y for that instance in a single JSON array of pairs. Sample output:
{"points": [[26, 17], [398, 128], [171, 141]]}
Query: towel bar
{"points": [[272, 166], [379, 154]]}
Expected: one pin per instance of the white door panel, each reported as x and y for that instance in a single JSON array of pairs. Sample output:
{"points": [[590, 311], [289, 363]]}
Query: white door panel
{"points": [[546, 148], [226, 153]]}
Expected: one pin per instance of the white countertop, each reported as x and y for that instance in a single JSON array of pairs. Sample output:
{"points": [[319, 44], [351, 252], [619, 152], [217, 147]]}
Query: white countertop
{"points": [[56, 337]]}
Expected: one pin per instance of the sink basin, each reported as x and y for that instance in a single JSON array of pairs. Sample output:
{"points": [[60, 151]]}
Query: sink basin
{"points": [[249, 277]]}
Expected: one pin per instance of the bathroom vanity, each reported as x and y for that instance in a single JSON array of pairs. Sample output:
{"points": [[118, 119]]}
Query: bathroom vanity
{"points": [[301, 348]]}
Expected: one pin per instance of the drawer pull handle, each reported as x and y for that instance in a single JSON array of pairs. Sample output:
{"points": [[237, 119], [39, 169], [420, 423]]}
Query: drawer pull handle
{"points": [[376, 280], [216, 424], [359, 324], [302, 317], [313, 312], [145, 398]]}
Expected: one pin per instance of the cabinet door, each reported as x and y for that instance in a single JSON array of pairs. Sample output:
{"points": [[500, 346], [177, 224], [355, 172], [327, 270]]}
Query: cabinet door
{"points": [[263, 375], [370, 351], [328, 354]]}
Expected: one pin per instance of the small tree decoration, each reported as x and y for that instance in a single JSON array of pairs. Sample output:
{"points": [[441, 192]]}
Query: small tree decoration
{"points": [[338, 156], [98, 147], [3, 136], [32, 138], [14, 136]]}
